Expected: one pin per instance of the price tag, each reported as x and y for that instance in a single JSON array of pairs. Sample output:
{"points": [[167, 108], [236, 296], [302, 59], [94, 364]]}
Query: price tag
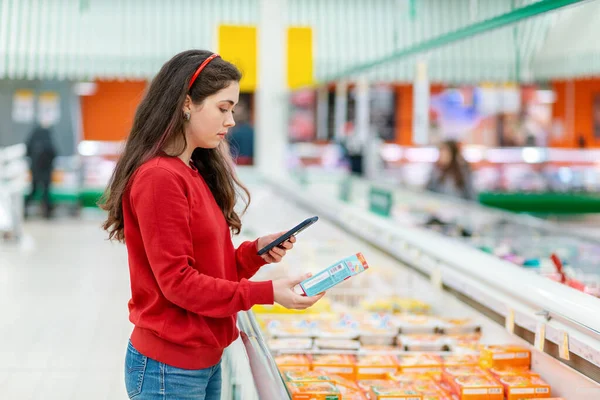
{"points": [[540, 336], [563, 347], [510, 321], [436, 278]]}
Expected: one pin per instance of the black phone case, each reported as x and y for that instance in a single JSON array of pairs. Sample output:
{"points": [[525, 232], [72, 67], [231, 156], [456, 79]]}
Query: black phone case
{"points": [[292, 232]]}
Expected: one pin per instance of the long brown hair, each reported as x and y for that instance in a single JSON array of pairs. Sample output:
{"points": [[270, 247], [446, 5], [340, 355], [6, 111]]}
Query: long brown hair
{"points": [[159, 124], [455, 166]]}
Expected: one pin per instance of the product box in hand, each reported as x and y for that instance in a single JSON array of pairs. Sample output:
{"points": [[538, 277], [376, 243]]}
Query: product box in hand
{"points": [[333, 275]]}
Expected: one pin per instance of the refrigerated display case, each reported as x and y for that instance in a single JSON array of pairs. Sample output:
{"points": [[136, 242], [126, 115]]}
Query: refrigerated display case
{"points": [[510, 305]]}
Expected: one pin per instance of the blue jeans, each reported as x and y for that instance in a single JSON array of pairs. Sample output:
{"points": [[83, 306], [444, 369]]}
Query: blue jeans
{"points": [[148, 379]]}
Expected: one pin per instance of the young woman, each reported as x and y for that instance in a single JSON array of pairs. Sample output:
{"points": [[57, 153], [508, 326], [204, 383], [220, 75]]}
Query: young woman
{"points": [[451, 174], [171, 200]]}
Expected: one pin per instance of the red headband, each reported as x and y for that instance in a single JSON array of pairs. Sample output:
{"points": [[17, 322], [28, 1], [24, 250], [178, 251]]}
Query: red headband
{"points": [[201, 67]]}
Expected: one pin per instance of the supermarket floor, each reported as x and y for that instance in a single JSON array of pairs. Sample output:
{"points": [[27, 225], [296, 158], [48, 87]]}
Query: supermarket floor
{"points": [[64, 293]]}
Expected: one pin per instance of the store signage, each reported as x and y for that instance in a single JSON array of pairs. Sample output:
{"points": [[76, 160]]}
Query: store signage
{"points": [[381, 201]]}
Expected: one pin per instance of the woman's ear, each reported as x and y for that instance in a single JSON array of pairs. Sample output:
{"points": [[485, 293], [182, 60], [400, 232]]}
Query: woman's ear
{"points": [[187, 104]]}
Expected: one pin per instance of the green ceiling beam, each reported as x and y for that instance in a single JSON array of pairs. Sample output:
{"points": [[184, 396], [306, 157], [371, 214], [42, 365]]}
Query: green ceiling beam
{"points": [[516, 15]]}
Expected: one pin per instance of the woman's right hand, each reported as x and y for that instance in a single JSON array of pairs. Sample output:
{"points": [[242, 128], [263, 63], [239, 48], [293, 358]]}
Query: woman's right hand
{"points": [[283, 291]]}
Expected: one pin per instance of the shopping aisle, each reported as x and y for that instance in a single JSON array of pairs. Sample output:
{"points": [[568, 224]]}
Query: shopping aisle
{"points": [[65, 325]]}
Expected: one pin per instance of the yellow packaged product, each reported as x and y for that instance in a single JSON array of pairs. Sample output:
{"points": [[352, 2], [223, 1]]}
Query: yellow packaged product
{"points": [[343, 365], [505, 356], [516, 387], [295, 362], [451, 374], [314, 391], [375, 366], [519, 371]]}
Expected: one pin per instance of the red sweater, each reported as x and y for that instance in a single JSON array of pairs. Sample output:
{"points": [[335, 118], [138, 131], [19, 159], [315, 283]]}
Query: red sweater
{"points": [[187, 279]]}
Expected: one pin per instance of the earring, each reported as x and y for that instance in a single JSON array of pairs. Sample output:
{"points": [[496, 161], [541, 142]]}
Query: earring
{"points": [[187, 115]]}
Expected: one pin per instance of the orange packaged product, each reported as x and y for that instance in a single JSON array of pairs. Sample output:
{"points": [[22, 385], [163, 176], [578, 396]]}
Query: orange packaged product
{"points": [[342, 382], [314, 391], [343, 365], [516, 387], [465, 360], [392, 393], [505, 356], [366, 384], [437, 396], [295, 362], [305, 376], [478, 387], [410, 377], [451, 374], [522, 371], [375, 366], [430, 364]]}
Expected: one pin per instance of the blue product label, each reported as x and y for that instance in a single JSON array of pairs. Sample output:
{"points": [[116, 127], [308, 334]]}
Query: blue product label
{"points": [[326, 279]]}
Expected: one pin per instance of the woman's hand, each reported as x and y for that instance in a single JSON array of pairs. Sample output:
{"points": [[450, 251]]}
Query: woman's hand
{"points": [[283, 292], [276, 253]]}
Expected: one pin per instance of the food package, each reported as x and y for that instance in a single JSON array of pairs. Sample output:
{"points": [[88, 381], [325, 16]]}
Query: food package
{"points": [[334, 275], [456, 326], [303, 328], [516, 387], [305, 376], [294, 344], [375, 366], [383, 334], [337, 344], [295, 362], [343, 365], [458, 360], [423, 342], [478, 387], [505, 356], [392, 393], [417, 324], [314, 391], [429, 364], [451, 374]]}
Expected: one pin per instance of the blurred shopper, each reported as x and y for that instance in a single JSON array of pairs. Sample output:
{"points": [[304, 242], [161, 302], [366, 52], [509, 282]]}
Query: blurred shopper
{"points": [[171, 200], [41, 152], [241, 137], [451, 174]]}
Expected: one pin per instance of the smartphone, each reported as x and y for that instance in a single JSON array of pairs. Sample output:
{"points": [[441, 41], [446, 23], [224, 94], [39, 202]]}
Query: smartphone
{"points": [[286, 236]]}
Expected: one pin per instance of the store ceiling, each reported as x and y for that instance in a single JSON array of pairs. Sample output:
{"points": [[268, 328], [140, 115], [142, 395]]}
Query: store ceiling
{"points": [[131, 39]]}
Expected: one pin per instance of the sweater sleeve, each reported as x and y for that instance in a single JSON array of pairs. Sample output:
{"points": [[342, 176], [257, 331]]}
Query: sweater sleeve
{"points": [[163, 213], [247, 260]]}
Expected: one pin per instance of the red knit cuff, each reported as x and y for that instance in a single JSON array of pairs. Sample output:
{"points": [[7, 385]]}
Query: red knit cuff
{"points": [[261, 292], [251, 252]]}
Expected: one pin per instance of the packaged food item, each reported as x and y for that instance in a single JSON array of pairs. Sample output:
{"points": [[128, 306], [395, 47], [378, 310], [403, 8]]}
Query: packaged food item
{"points": [[290, 344], [314, 391], [519, 371], [451, 374], [429, 364], [391, 393], [344, 383], [303, 328], [335, 274], [305, 376], [466, 339], [455, 326], [397, 305], [424, 342], [458, 360], [366, 384], [375, 366], [346, 327], [505, 356], [383, 334], [516, 387], [337, 344], [296, 362], [478, 387], [343, 365], [410, 377], [417, 324], [373, 348]]}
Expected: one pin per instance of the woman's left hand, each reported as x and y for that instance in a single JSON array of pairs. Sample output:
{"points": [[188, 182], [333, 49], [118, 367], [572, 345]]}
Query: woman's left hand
{"points": [[276, 253]]}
